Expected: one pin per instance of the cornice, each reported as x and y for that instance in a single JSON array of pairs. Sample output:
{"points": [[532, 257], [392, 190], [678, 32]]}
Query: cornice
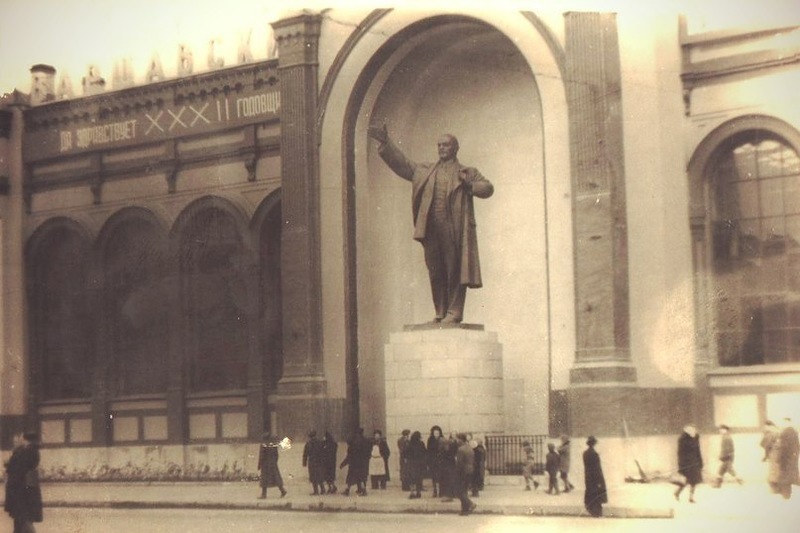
{"points": [[118, 104]]}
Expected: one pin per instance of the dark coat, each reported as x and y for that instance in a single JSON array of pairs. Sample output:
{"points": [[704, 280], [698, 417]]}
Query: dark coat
{"points": [[459, 202], [564, 459], [434, 461], [783, 469], [383, 449], [416, 461], [464, 463], [329, 450], [690, 462], [23, 494], [268, 466], [552, 463], [596, 493], [359, 449], [480, 466], [314, 459]]}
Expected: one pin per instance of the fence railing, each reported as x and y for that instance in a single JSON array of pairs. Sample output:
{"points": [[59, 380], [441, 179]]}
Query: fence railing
{"points": [[505, 456]]}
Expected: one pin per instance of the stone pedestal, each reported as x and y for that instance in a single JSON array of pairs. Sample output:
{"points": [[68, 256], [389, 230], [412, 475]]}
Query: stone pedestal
{"points": [[451, 376]]}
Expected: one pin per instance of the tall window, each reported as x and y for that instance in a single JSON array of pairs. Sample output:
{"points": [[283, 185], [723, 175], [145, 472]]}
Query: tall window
{"points": [[137, 293], [61, 321], [756, 251], [216, 299]]}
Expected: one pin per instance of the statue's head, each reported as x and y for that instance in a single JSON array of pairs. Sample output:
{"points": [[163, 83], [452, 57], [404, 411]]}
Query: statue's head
{"points": [[447, 146]]}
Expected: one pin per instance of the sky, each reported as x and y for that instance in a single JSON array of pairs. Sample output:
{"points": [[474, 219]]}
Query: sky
{"points": [[73, 34]]}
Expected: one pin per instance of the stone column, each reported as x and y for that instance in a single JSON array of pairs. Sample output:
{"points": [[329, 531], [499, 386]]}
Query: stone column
{"points": [[14, 361], [303, 385], [594, 99]]}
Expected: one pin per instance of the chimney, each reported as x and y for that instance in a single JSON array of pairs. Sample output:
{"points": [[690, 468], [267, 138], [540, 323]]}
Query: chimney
{"points": [[43, 84]]}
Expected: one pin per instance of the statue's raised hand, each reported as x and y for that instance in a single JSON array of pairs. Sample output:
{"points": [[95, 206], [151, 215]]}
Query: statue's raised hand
{"points": [[379, 133]]}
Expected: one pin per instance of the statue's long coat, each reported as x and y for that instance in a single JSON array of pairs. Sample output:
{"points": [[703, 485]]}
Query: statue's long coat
{"points": [[459, 204]]}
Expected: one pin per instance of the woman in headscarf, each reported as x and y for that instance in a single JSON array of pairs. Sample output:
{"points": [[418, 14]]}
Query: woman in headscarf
{"points": [[690, 461], [416, 464], [268, 466]]}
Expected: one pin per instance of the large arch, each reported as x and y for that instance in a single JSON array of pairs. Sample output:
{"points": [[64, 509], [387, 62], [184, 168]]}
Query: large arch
{"points": [[700, 168], [354, 95]]}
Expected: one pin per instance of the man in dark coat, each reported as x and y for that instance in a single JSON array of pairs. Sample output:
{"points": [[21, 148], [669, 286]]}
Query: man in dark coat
{"points": [[268, 466], [416, 464], [435, 441], [329, 449], [726, 456], [313, 459], [402, 446], [465, 469], [444, 219], [690, 461], [359, 449], [23, 495], [480, 468], [783, 456], [596, 494]]}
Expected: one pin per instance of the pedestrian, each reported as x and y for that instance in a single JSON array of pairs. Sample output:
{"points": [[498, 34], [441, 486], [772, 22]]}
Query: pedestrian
{"points": [[434, 443], [465, 468], [769, 438], [726, 455], [23, 500], [596, 494], [529, 466], [379, 461], [783, 471], [314, 460], [357, 461], [268, 465], [448, 473], [552, 464], [329, 449], [416, 464], [480, 467], [402, 446], [564, 460], [690, 462]]}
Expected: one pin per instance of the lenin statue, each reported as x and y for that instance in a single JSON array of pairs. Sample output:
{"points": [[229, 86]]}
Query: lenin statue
{"points": [[444, 219]]}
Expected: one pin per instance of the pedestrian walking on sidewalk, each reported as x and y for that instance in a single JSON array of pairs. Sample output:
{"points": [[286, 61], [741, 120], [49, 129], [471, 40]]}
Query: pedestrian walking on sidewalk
{"points": [[529, 466], [23, 494], [465, 468], [314, 460], [379, 461], [726, 455], [329, 449], [564, 460], [690, 462], [268, 465], [416, 464], [357, 460], [596, 494], [551, 464], [402, 446], [480, 467], [783, 471]]}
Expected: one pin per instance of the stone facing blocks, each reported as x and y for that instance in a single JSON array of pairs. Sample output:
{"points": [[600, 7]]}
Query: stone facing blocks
{"points": [[451, 377]]}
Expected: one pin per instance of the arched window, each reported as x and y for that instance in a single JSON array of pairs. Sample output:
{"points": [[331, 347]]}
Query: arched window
{"points": [[755, 224], [137, 308], [213, 268], [61, 324]]}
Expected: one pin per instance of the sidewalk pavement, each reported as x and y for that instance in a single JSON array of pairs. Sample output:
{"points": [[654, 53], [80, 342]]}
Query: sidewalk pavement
{"points": [[501, 497]]}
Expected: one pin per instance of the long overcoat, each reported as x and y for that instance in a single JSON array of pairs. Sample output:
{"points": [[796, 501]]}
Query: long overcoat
{"points": [[416, 461], [596, 493], [314, 459], [329, 450], [23, 499], [690, 461], [268, 466], [460, 206], [359, 449], [783, 456]]}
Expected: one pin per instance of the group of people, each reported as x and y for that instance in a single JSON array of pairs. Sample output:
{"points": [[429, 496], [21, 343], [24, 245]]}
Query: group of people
{"points": [[781, 450]]}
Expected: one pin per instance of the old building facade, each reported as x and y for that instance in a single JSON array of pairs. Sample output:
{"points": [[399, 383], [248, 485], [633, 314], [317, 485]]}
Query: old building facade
{"points": [[190, 262]]}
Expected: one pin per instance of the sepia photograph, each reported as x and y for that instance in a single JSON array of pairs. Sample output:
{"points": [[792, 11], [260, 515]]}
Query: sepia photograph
{"points": [[408, 266]]}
